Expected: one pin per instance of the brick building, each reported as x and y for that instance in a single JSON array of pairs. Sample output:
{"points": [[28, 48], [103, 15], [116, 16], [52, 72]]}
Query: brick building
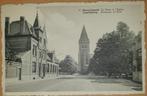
{"points": [[26, 50]]}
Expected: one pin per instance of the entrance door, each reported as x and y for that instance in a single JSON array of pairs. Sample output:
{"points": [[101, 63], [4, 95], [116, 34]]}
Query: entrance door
{"points": [[19, 73], [39, 67], [43, 70]]}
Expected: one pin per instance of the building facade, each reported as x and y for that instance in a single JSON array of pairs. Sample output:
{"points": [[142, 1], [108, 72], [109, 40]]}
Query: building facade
{"points": [[84, 51], [28, 47]]}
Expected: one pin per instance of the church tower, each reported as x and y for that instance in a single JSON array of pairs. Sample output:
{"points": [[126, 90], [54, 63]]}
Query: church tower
{"points": [[83, 52]]}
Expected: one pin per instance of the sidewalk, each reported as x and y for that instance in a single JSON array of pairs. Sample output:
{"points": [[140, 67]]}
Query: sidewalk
{"points": [[12, 81]]}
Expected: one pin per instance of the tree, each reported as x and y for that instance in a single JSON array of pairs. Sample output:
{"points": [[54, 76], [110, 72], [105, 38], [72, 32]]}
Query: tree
{"points": [[112, 52], [10, 54], [68, 65]]}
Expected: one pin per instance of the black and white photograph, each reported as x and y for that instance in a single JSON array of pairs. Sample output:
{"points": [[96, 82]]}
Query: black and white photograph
{"points": [[87, 48]]}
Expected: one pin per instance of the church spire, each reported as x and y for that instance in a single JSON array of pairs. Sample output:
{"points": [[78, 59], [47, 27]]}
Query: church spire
{"points": [[84, 36], [36, 22]]}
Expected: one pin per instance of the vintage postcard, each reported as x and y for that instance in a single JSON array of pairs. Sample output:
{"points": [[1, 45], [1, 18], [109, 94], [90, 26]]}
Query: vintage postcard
{"points": [[78, 48]]}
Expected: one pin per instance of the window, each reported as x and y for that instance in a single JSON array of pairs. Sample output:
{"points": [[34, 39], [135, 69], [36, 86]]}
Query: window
{"points": [[83, 46], [44, 42], [87, 60], [34, 67], [47, 68], [39, 69], [40, 39], [40, 55], [51, 68], [34, 50]]}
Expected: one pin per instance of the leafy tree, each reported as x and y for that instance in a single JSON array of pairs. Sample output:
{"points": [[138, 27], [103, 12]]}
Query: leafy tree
{"points": [[10, 54], [112, 52], [68, 65]]}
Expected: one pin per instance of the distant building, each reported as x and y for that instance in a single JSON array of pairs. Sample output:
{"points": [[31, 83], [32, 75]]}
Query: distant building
{"points": [[84, 49], [137, 58], [28, 45]]}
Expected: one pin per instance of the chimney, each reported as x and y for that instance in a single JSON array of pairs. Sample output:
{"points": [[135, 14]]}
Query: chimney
{"points": [[7, 25], [22, 24]]}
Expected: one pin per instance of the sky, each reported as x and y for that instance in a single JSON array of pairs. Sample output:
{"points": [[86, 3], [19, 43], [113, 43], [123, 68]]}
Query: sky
{"points": [[64, 22]]}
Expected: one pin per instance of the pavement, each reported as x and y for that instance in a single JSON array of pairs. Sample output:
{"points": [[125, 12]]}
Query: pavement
{"points": [[14, 81], [73, 83]]}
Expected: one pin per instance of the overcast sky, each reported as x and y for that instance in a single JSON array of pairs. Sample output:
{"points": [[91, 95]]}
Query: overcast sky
{"points": [[64, 22]]}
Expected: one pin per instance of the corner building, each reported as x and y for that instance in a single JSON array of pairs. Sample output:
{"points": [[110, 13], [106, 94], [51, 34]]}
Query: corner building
{"points": [[29, 43]]}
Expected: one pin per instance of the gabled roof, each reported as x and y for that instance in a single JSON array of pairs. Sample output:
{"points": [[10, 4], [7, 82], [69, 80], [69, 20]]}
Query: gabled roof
{"points": [[50, 55]]}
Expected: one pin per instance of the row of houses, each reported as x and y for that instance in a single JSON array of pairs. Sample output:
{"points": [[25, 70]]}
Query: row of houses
{"points": [[26, 53]]}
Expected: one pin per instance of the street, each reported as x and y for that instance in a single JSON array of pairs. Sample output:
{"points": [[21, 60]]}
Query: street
{"points": [[74, 83]]}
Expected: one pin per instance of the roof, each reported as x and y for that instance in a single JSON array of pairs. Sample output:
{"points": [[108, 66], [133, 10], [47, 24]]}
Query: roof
{"points": [[50, 55], [36, 25], [84, 36], [29, 30], [36, 22]]}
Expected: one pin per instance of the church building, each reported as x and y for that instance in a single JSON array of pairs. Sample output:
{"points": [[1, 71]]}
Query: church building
{"points": [[84, 52]]}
